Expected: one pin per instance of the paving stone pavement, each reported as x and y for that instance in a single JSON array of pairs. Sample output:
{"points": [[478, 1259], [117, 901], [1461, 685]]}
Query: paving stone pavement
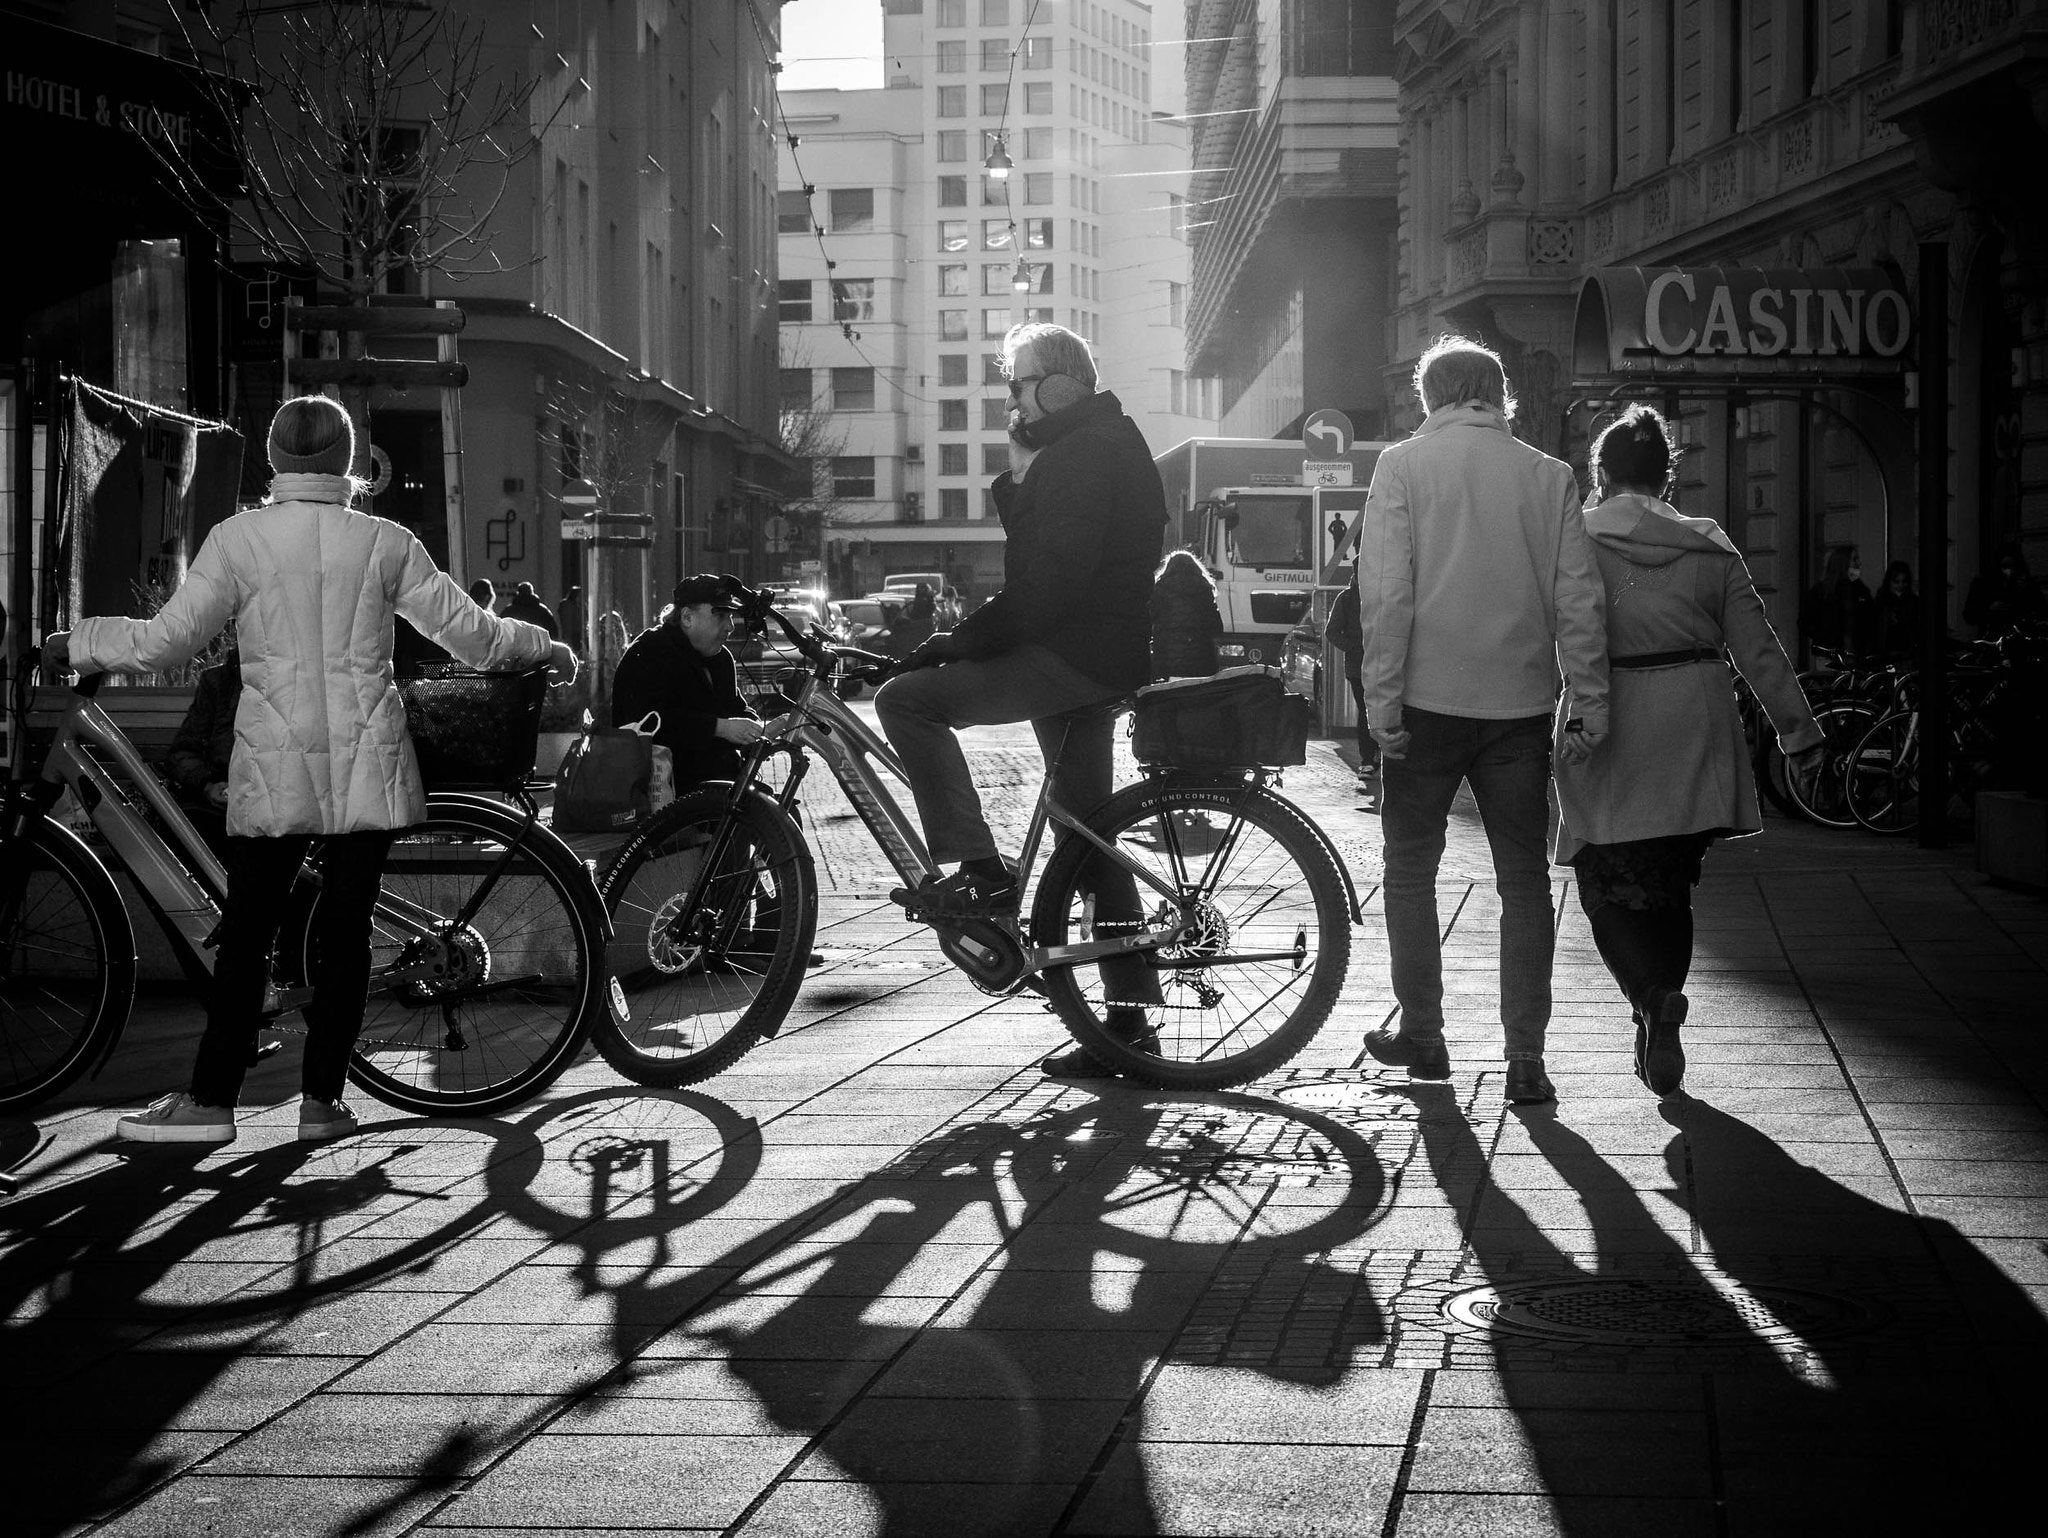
{"points": [[882, 1277]]}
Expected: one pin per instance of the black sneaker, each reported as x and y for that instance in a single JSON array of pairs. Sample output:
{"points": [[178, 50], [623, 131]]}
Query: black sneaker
{"points": [[963, 895], [1425, 1057]]}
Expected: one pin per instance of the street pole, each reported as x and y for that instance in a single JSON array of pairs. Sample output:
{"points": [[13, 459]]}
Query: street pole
{"points": [[1933, 450]]}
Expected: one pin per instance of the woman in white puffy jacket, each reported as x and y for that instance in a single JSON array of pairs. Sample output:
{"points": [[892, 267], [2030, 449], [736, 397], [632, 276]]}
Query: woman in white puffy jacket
{"points": [[320, 751]]}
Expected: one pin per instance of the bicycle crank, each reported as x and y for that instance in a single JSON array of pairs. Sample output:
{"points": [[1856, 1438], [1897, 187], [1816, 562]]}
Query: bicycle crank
{"points": [[987, 950]]}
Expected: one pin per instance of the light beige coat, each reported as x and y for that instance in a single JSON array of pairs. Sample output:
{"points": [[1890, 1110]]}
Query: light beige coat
{"points": [[1674, 760], [320, 738]]}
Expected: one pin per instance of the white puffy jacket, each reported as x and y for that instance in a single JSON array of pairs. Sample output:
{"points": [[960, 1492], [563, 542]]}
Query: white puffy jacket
{"points": [[320, 739]]}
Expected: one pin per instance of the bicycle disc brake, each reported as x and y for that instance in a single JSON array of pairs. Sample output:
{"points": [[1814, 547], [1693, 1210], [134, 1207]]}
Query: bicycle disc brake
{"points": [[987, 950]]}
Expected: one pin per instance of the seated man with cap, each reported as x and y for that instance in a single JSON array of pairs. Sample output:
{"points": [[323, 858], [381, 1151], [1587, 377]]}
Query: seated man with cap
{"points": [[680, 668]]}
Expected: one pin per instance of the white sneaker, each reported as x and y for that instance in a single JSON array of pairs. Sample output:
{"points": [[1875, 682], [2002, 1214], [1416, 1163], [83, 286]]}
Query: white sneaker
{"points": [[323, 1119], [178, 1118]]}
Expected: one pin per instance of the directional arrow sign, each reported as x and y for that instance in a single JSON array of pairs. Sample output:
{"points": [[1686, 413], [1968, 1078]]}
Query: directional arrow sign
{"points": [[1327, 434]]}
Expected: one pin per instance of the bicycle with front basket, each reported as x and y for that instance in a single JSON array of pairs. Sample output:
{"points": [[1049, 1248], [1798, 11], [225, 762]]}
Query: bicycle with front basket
{"points": [[1246, 923], [487, 964]]}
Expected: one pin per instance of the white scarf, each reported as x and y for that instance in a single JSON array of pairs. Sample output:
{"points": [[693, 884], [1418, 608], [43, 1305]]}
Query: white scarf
{"points": [[297, 486]]}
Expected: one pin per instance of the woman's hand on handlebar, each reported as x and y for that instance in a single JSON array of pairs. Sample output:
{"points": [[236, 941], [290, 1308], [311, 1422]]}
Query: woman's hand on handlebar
{"points": [[56, 650], [561, 664]]}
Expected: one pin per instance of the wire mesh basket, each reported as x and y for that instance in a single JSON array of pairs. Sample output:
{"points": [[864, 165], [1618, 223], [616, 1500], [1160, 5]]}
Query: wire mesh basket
{"points": [[474, 731]]}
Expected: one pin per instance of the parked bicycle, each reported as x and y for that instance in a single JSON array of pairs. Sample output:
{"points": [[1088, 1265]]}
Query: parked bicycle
{"points": [[714, 904], [488, 939]]}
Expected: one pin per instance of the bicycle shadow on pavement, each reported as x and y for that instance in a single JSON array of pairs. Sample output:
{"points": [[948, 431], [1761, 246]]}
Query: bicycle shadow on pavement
{"points": [[157, 1302], [982, 1334], [1775, 1360]]}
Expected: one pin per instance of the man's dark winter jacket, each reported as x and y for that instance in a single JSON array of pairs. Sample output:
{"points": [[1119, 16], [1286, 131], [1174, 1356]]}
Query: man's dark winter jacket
{"points": [[205, 743], [1083, 535], [662, 671]]}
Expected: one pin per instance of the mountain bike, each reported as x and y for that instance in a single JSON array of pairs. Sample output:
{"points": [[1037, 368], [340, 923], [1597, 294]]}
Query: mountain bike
{"points": [[1243, 920], [488, 940]]}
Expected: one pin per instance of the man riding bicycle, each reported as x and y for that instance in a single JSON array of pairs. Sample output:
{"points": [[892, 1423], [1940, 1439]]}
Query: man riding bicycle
{"points": [[1083, 513]]}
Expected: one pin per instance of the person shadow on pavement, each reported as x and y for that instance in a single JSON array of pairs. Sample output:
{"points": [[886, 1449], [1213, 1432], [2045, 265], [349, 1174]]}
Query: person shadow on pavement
{"points": [[1761, 1379], [118, 1325], [982, 1335]]}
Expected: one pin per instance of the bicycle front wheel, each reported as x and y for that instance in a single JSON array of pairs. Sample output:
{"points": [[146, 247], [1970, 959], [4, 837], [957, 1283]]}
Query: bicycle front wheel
{"points": [[486, 963], [1884, 775], [67, 965], [1264, 943], [1842, 727], [705, 979]]}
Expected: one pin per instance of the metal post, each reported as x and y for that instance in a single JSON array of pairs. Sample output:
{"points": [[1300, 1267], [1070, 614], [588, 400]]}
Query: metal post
{"points": [[21, 579], [1933, 450], [451, 460]]}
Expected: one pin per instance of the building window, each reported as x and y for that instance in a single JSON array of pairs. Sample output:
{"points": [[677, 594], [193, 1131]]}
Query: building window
{"points": [[853, 389], [995, 458], [995, 277], [995, 413], [952, 368], [952, 325], [1176, 392], [952, 192], [1038, 186], [952, 278], [1037, 53], [952, 101], [995, 13], [988, 504], [1038, 143], [793, 300], [953, 416], [952, 13], [1036, 317], [995, 234], [853, 478], [952, 144], [952, 234], [995, 324], [992, 369], [952, 56], [953, 458], [853, 208], [1038, 234], [995, 53], [1176, 304], [994, 193], [1038, 97], [953, 502], [995, 100], [792, 214], [853, 299], [1176, 216], [796, 389], [1040, 274]]}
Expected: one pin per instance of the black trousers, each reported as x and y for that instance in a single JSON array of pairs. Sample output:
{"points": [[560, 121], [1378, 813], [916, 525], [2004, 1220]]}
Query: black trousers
{"points": [[1638, 898], [260, 876]]}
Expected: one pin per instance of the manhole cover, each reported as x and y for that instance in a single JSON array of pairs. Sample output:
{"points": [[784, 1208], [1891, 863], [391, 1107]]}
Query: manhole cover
{"points": [[1709, 1307]]}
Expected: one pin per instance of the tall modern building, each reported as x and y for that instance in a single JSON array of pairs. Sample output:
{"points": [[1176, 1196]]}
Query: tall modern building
{"points": [[904, 260]]}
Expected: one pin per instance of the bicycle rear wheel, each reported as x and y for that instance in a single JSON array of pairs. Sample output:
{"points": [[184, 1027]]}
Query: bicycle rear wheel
{"points": [[703, 982], [1884, 775], [1842, 727], [1266, 944], [67, 965], [486, 958]]}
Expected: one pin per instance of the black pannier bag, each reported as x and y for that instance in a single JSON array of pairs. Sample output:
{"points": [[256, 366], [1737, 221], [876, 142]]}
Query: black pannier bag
{"points": [[1237, 719]]}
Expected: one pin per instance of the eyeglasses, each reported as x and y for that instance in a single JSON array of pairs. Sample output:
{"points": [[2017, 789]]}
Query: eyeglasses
{"points": [[1018, 382]]}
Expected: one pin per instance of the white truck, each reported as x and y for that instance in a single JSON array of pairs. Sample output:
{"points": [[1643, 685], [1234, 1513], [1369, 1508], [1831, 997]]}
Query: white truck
{"points": [[1259, 512]]}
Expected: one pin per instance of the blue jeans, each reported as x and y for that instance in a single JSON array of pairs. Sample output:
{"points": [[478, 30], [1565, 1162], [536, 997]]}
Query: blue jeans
{"points": [[1508, 766]]}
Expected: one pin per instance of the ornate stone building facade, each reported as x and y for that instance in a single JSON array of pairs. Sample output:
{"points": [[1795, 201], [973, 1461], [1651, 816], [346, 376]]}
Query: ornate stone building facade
{"points": [[1545, 142]]}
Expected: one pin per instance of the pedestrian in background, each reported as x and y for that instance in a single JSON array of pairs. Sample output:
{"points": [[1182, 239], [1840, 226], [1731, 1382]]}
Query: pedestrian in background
{"points": [[1897, 614], [1673, 775], [569, 616], [321, 749], [914, 623], [2003, 597], [483, 594], [1186, 625], [1836, 611], [525, 604], [680, 668], [1480, 589], [1347, 634]]}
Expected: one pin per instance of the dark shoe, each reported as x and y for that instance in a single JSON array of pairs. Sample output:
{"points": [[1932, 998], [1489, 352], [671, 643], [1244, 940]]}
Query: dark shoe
{"points": [[1528, 1084], [965, 894], [1126, 1022], [1425, 1057], [1660, 1057]]}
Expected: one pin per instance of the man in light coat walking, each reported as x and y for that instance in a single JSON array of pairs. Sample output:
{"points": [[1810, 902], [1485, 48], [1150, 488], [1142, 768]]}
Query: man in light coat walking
{"points": [[1478, 587]]}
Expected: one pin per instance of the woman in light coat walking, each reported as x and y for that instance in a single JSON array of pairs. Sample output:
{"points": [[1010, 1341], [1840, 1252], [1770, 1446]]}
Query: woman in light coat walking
{"points": [[320, 750], [1638, 812]]}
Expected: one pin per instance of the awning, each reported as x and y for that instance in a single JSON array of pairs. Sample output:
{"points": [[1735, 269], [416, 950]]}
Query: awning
{"points": [[1781, 325]]}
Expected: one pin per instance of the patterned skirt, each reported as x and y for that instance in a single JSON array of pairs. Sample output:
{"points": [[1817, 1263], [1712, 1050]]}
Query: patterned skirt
{"points": [[1644, 874]]}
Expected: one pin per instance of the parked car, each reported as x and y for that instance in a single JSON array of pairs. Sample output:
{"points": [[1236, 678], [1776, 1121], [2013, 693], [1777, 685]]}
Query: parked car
{"points": [[947, 605], [1301, 651], [867, 618]]}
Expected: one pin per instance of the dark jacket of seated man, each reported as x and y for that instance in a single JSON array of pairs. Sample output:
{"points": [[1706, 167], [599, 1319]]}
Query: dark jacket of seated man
{"points": [[197, 761], [680, 667]]}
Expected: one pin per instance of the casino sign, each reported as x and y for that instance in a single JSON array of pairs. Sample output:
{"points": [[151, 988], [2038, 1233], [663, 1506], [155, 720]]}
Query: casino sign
{"points": [[1716, 323]]}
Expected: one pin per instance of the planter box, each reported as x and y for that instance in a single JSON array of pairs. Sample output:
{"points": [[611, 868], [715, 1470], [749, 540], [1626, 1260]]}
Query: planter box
{"points": [[2012, 838]]}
